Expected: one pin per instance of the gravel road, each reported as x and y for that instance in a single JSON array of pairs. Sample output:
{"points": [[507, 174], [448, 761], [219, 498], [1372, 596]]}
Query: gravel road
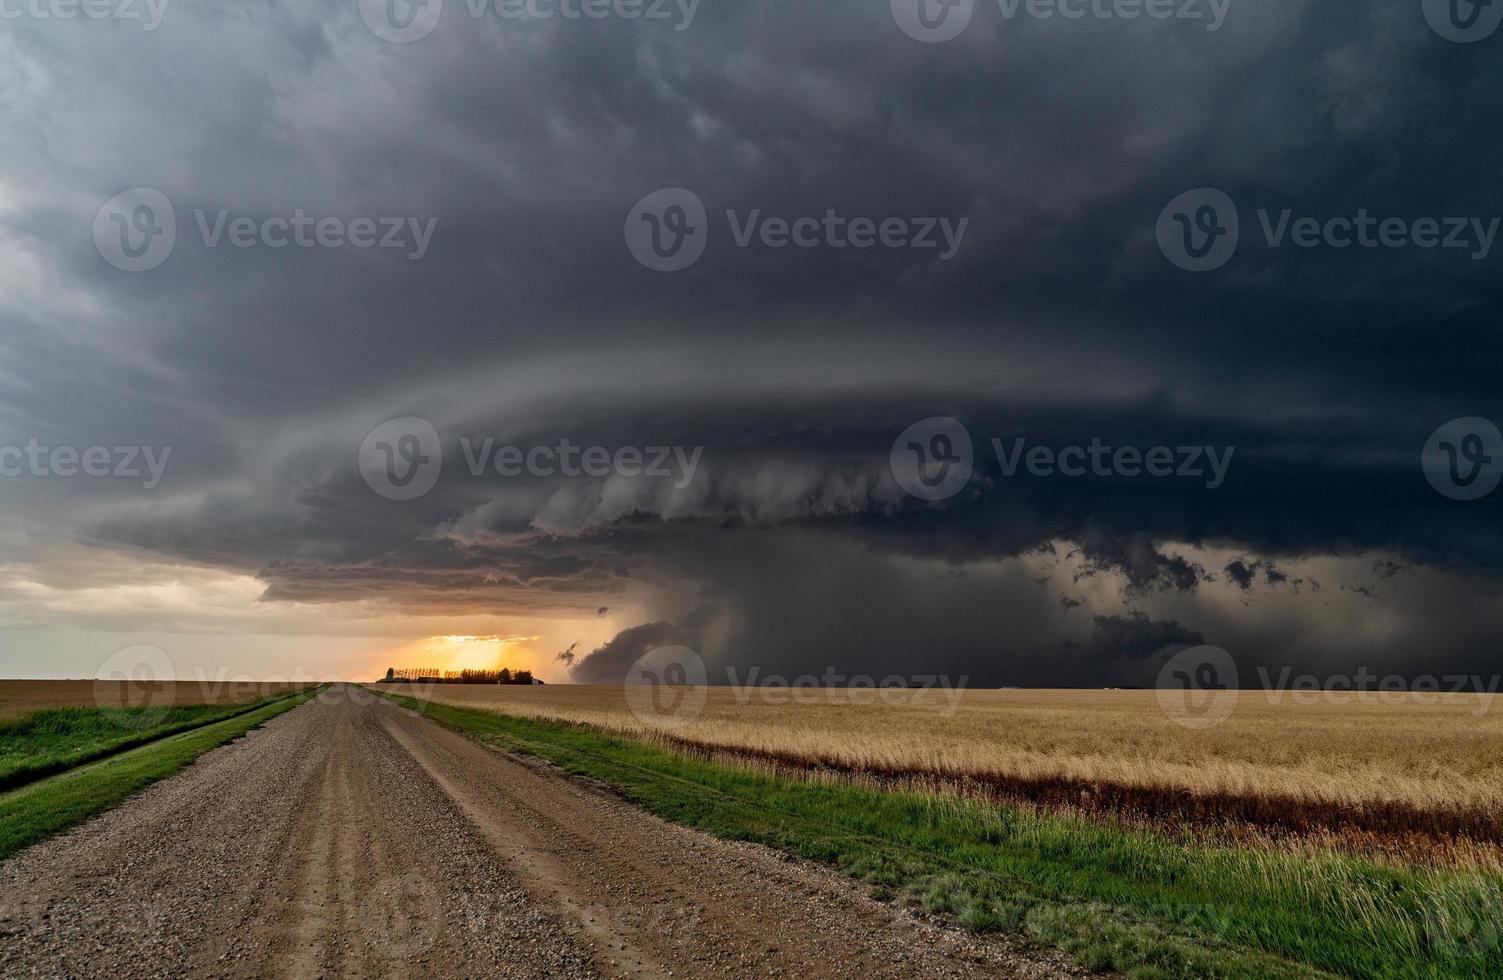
{"points": [[353, 838]]}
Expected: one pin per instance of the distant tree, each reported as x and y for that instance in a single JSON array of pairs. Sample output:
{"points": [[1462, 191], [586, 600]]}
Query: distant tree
{"points": [[465, 675]]}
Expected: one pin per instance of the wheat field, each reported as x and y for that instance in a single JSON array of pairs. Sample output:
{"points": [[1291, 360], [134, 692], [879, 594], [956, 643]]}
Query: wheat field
{"points": [[19, 697], [1393, 764]]}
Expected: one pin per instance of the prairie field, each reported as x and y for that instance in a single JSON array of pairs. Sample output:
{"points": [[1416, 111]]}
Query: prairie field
{"points": [[20, 697], [1388, 771], [49, 727]]}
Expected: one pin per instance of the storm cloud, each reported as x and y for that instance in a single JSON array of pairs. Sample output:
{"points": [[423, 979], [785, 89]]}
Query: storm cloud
{"points": [[527, 320]]}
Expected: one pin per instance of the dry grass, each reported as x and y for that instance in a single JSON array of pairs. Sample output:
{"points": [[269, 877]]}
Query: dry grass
{"points": [[1395, 766], [20, 697]]}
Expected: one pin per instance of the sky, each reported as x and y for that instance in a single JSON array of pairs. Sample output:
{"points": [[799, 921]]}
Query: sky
{"points": [[832, 304]]}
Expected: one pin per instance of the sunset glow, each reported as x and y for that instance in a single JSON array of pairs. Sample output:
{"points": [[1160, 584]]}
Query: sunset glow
{"points": [[459, 652]]}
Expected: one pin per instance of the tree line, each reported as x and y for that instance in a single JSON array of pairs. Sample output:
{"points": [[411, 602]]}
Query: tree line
{"points": [[434, 675]]}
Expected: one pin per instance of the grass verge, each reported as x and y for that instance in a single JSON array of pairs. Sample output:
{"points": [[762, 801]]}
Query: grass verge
{"points": [[53, 740], [40, 809], [1143, 903]]}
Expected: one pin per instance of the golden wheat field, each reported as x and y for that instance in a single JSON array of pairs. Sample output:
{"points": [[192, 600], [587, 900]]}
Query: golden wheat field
{"points": [[1390, 764], [19, 697]]}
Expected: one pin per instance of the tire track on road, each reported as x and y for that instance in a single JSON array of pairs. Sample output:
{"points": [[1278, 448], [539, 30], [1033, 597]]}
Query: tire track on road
{"points": [[655, 898], [314, 847]]}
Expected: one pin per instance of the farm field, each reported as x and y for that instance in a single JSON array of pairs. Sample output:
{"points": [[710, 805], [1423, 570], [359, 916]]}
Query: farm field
{"points": [[89, 776], [48, 727], [18, 697], [1388, 771], [1115, 897], [51, 740]]}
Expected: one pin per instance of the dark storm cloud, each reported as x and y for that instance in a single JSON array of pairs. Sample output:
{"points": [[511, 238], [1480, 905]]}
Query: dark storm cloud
{"points": [[1245, 573], [1137, 636], [795, 525], [1117, 647], [1240, 572], [608, 664], [528, 320]]}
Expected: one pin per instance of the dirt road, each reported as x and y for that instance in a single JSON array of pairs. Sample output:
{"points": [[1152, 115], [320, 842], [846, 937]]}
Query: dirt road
{"points": [[350, 837]]}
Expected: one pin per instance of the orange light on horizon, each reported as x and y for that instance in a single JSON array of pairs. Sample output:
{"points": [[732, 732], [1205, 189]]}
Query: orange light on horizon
{"points": [[454, 651]]}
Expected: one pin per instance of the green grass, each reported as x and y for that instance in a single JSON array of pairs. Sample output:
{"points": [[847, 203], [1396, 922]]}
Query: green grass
{"points": [[43, 808], [1113, 897], [53, 740]]}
